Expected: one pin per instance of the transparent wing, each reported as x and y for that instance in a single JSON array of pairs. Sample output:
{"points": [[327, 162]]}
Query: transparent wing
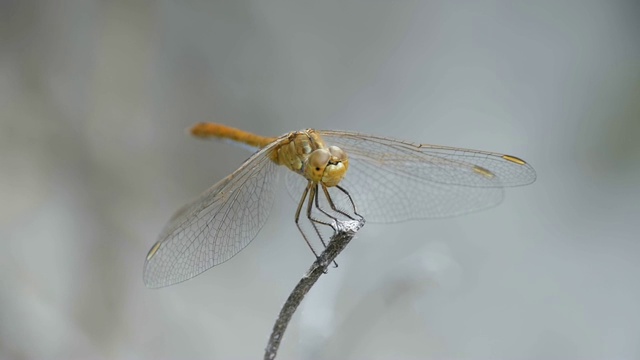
{"points": [[216, 226], [392, 181]]}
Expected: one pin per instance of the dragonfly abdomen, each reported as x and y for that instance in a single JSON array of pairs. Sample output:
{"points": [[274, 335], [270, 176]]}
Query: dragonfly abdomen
{"points": [[207, 130]]}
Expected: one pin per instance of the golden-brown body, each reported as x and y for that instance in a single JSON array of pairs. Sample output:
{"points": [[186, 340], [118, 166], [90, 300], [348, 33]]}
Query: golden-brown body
{"points": [[303, 152]]}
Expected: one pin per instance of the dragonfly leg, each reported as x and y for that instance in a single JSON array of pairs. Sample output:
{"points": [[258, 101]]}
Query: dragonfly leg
{"points": [[353, 204], [333, 206], [326, 213], [313, 195], [297, 218], [323, 210], [310, 194]]}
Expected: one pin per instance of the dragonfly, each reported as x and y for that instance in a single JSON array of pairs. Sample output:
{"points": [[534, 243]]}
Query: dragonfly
{"points": [[376, 178]]}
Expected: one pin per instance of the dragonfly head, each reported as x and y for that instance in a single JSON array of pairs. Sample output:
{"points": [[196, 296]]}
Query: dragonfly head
{"points": [[327, 165]]}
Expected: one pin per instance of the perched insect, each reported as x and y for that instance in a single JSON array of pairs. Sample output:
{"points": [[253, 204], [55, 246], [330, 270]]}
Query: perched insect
{"points": [[383, 180]]}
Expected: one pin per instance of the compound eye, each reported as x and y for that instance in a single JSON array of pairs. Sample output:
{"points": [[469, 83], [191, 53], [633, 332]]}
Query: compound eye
{"points": [[337, 153], [337, 167], [316, 163], [319, 159]]}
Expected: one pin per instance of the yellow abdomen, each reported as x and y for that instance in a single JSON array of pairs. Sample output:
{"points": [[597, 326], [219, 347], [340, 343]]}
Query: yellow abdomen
{"points": [[294, 150], [206, 130]]}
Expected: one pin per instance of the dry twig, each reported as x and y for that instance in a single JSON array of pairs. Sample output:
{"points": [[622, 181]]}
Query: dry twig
{"points": [[345, 231]]}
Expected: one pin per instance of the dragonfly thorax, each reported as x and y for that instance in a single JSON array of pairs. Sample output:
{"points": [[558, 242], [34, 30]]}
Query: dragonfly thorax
{"points": [[305, 153], [326, 165]]}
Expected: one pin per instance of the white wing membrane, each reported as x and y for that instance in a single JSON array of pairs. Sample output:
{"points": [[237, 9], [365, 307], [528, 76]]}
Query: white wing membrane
{"points": [[216, 226], [393, 181]]}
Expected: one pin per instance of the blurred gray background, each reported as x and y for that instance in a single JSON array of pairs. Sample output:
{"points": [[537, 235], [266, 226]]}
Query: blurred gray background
{"points": [[94, 100]]}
